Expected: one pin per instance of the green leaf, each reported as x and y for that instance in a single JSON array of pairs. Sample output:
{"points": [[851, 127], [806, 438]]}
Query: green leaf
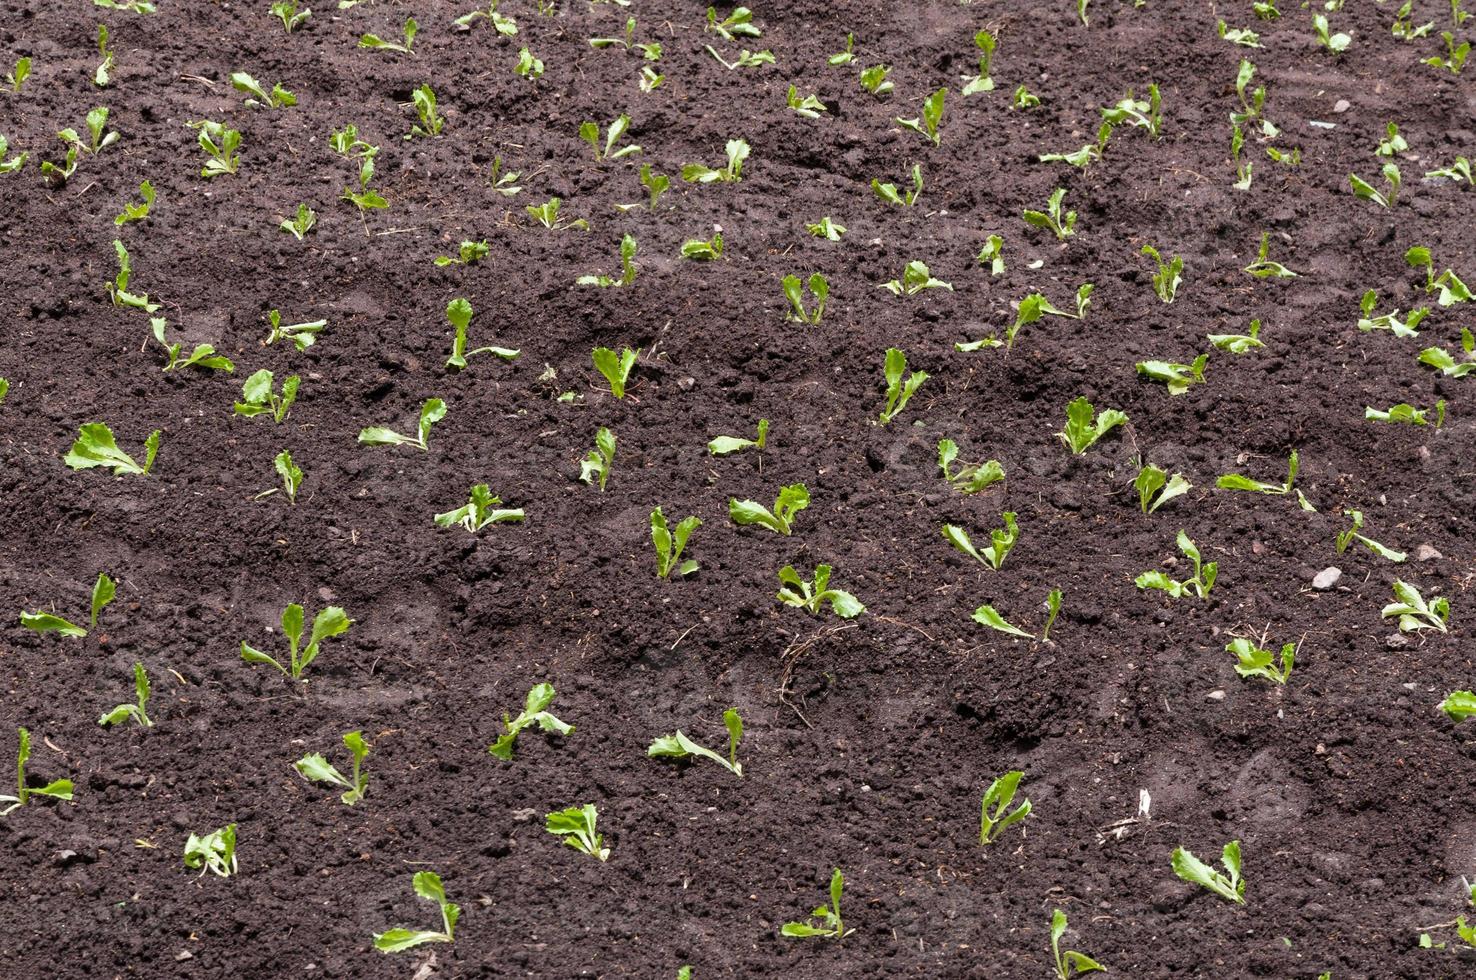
{"points": [[315, 767], [102, 594], [1459, 705], [95, 446], [398, 940], [987, 615], [47, 623]]}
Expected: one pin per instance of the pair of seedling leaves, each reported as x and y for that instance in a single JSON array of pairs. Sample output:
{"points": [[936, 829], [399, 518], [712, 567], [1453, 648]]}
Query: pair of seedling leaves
{"points": [[1200, 584], [459, 314], [480, 510], [1027, 311], [214, 852], [824, 921], [678, 746], [575, 826], [103, 592], [1254, 661], [330, 622], [1414, 612], [1229, 886], [791, 500], [968, 478], [315, 767], [138, 710], [1001, 541], [427, 885], [810, 596], [987, 615], [1084, 425], [57, 789], [670, 542], [430, 413]]}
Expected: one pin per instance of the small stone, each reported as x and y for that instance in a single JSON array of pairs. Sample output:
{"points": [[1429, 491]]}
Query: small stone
{"points": [[1396, 641], [1342, 105], [183, 955], [1427, 552], [1327, 578], [523, 816], [1216, 695]]}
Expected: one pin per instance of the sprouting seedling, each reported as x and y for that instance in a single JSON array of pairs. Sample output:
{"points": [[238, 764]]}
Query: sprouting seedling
{"points": [[118, 288], [18, 75], [480, 510], [1235, 481], [590, 133], [95, 446], [995, 815], [650, 52], [1030, 310], [1265, 9], [745, 59], [277, 98], [431, 121], [650, 77], [1178, 377], [987, 615], [1388, 321], [828, 916], [102, 77], [1002, 540], [1363, 190], [377, 43], [576, 826], [794, 288], [1084, 426], [1404, 26], [331, 621], [827, 228], [1243, 36], [723, 445], [1407, 414], [596, 464], [1251, 107], [1345, 538], [1415, 614], [1244, 169], [699, 250], [102, 594], [535, 712], [1392, 143], [737, 151], [11, 165], [615, 367], [902, 198], [927, 124], [220, 144], [1230, 887], [1446, 362], [1253, 661], [214, 852], [132, 6], [459, 314], [1135, 112], [528, 66], [986, 43], [203, 356], [467, 253], [1455, 54], [899, 393], [1263, 268], [97, 129], [291, 17], [315, 768], [1069, 963], [289, 473], [679, 746], [1288, 158], [1238, 343], [1024, 99], [915, 278], [811, 596], [1337, 43], [627, 266], [737, 24], [1458, 171], [137, 710], [1087, 155], [875, 81], [430, 413], [1200, 584], [4, 388], [1459, 705], [57, 174], [969, 477], [1156, 488], [791, 500], [57, 789], [654, 183], [670, 542], [1062, 226], [547, 215], [846, 56], [1169, 275], [302, 335], [137, 212], [427, 885], [1452, 289], [808, 106], [501, 23]]}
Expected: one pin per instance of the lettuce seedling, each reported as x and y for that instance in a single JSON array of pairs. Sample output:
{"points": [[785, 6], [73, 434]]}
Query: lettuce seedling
{"points": [[1444, 361], [987, 615], [811, 596], [315, 768], [132, 6], [654, 183], [844, 57], [703, 251], [791, 500], [969, 477], [576, 826], [528, 66], [17, 77], [901, 198], [1052, 218], [1135, 112], [501, 23], [466, 253], [1415, 614], [1027, 311], [1262, 268], [1459, 705], [1363, 190], [57, 789], [427, 885], [137, 710], [1458, 171], [875, 81], [301, 224], [1201, 584], [291, 17], [377, 43], [1406, 414], [535, 712], [827, 228], [737, 24], [459, 314], [214, 852], [590, 133], [259, 399], [1389, 321], [94, 446], [1084, 426], [1024, 99], [1256, 662], [502, 182], [1002, 541], [995, 815], [1336, 43], [932, 115], [137, 212], [828, 916], [302, 335], [1169, 275], [1069, 963], [1455, 54], [430, 413], [277, 98], [1452, 289], [1392, 143], [650, 78], [986, 43], [479, 511], [651, 52], [915, 278], [1238, 343], [42, 622], [220, 144], [597, 462], [1345, 538], [899, 393], [615, 367], [203, 356], [103, 592], [794, 292], [1178, 377], [118, 288], [431, 122], [679, 746], [737, 151], [1089, 153], [1252, 107], [1234, 481], [289, 473], [1404, 26], [723, 445], [1153, 482], [4, 388], [1243, 36], [547, 215], [627, 268], [809, 106], [1230, 887], [991, 253], [669, 544], [13, 164], [97, 129], [50, 171], [331, 621], [746, 58]]}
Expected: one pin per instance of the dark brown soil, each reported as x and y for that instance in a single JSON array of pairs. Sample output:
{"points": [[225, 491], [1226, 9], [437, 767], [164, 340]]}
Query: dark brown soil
{"points": [[868, 745]]}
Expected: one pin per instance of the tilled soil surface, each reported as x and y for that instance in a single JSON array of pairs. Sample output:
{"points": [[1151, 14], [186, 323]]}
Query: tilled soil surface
{"points": [[869, 742]]}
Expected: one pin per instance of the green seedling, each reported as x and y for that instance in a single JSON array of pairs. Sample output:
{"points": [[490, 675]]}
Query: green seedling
{"points": [[13, 164], [1002, 541], [365, 199], [987, 615], [503, 182], [1238, 343], [1389, 321], [723, 445], [1263, 268], [459, 314], [1252, 107], [102, 77], [1024, 99], [597, 462], [986, 43], [1406, 414], [1087, 155], [430, 413], [501, 23], [576, 826], [132, 6], [1290, 158], [811, 596], [828, 916], [875, 81], [17, 76], [97, 129], [1337, 43], [220, 144], [466, 253], [902, 198], [277, 98], [331, 621], [377, 43], [118, 288], [528, 66], [1230, 887], [203, 356], [927, 124], [915, 278], [995, 815], [794, 288], [1062, 226], [431, 122], [615, 367], [535, 712], [547, 215], [1458, 171], [1345, 538], [628, 268], [1235, 481], [809, 106], [791, 500], [57, 789], [1156, 488], [737, 24], [737, 152], [291, 17], [969, 477], [57, 174], [1030, 310], [992, 253], [427, 885], [1455, 54], [1252, 661], [745, 59], [289, 473], [669, 543], [94, 446], [1201, 584], [1457, 14], [703, 251], [1135, 112], [1084, 426], [651, 52], [654, 183], [1265, 9], [1404, 26], [1459, 705], [4, 388], [102, 594], [899, 393], [650, 78], [346, 142], [1392, 143], [302, 335], [1415, 614], [679, 746], [315, 768], [844, 57], [214, 852], [590, 133], [1446, 362], [1069, 963], [827, 228], [1452, 289], [1363, 190], [480, 510], [137, 710], [1169, 275], [1243, 36], [1178, 377], [136, 212]]}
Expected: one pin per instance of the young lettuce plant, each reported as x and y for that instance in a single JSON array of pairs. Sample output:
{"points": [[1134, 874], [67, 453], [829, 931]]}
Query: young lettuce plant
{"points": [[138, 709], [1252, 661], [331, 621], [315, 768], [987, 615], [501, 23], [969, 478], [737, 24], [1458, 171], [723, 445], [899, 393], [986, 43], [547, 215], [1062, 226], [118, 288], [220, 144], [915, 278], [1404, 26], [17, 77], [459, 314], [1230, 887], [745, 59], [826, 228], [467, 253], [679, 746], [1238, 343], [794, 288], [95, 446], [302, 335], [1235, 481], [103, 592], [214, 852], [1336, 43], [480, 510], [1027, 311], [1458, 706], [136, 212], [528, 66], [1178, 377], [828, 917], [1415, 614], [737, 151], [1388, 321], [57, 789], [590, 133], [430, 413], [1263, 268], [1363, 190], [1135, 112], [627, 268], [576, 827], [11, 165], [699, 250], [97, 129], [1089, 153], [995, 815], [649, 52], [993, 254], [1243, 36], [291, 17], [901, 198], [1244, 169], [427, 885], [1024, 99], [1201, 584], [1455, 54], [927, 124], [808, 106], [1452, 289], [203, 356], [670, 542], [810, 596], [1446, 363], [1156, 488], [1002, 541], [376, 43], [846, 56], [1345, 538], [875, 81], [1084, 426], [1169, 275], [615, 367], [791, 500], [1070, 963], [535, 712], [596, 463], [277, 98], [1406, 414], [289, 473], [431, 121]]}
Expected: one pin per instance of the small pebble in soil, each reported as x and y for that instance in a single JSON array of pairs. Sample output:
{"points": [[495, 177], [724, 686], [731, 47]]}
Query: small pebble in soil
{"points": [[1327, 578], [1427, 552]]}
